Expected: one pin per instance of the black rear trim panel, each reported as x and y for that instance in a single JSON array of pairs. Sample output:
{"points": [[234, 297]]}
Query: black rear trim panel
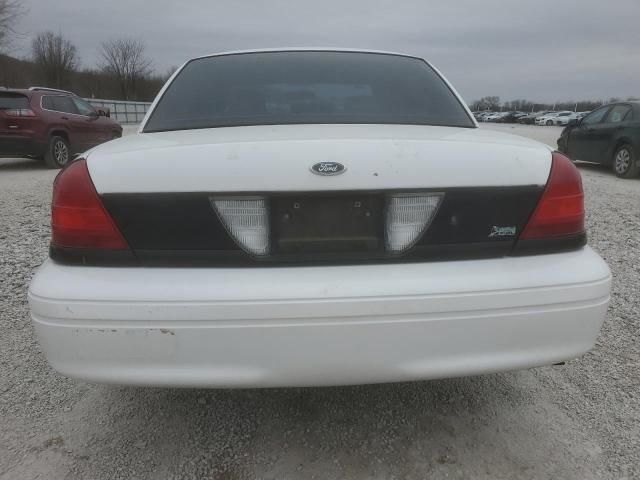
{"points": [[182, 229], [161, 221], [84, 256], [550, 245]]}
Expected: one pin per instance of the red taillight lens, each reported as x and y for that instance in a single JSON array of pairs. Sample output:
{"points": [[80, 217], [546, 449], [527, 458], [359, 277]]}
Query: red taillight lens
{"points": [[20, 112], [560, 211], [78, 218]]}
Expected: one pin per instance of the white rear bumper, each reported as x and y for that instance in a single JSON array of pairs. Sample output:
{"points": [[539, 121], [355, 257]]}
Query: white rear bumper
{"points": [[259, 327]]}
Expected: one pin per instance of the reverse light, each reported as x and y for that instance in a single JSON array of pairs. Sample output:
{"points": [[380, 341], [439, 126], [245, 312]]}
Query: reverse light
{"points": [[560, 210], [407, 217], [78, 218], [247, 221]]}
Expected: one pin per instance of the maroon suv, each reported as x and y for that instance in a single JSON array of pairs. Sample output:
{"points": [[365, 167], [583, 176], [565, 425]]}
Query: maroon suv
{"points": [[51, 124]]}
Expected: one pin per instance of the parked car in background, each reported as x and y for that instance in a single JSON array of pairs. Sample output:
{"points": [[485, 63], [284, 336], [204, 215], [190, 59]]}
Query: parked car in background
{"points": [[483, 115], [493, 117], [364, 231], [51, 125], [563, 118], [609, 135], [509, 117], [549, 118], [530, 118]]}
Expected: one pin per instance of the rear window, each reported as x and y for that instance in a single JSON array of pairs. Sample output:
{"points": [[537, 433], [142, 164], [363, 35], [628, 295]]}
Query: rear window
{"points": [[11, 101], [306, 87]]}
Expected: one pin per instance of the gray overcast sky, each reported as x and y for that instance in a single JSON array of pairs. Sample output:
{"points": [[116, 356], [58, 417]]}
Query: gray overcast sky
{"points": [[543, 50]]}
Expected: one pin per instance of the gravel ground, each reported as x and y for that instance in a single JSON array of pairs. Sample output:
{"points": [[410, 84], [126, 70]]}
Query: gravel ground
{"points": [[581, 420]]}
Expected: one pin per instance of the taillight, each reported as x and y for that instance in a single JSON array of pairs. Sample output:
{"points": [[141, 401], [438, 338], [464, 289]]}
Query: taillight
{"points": [[78, 218], [19, 112], [560, 210]]}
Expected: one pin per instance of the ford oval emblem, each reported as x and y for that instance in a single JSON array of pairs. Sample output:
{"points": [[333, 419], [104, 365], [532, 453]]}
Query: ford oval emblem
{"points": [[328, 168]]}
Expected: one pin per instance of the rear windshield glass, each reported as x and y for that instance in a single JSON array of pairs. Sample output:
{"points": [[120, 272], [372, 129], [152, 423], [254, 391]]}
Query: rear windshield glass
{"points": [[306, 87], [11, 101]]}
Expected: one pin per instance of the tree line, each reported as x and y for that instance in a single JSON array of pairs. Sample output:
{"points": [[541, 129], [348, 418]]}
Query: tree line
{"points": [[493, 103], [123, 71]]}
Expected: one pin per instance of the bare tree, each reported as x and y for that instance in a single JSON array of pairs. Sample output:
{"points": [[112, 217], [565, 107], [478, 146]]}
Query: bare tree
{"points": [[55, 56], [125, 59], [490, 102], [10, 11]]}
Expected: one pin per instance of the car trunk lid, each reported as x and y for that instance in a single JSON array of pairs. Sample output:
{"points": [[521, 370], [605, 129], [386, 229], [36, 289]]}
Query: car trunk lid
{"points": [[279, 158], [163, 197]]}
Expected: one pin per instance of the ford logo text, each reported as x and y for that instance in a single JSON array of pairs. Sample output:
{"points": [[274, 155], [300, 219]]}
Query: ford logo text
{"points": [[328, 168]]}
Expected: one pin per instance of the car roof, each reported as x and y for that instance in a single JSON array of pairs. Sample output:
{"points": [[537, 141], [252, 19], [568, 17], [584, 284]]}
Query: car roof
{"points": [[307, 49], [29, 92], [634, 104], [22, 91]]}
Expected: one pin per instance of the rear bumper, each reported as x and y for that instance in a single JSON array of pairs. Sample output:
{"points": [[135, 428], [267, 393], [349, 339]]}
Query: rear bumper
{"points": [[20, 146], [301, 326]]}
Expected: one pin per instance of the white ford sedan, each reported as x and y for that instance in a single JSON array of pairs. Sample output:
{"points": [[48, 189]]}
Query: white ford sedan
{"points": [[314, 217]]}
